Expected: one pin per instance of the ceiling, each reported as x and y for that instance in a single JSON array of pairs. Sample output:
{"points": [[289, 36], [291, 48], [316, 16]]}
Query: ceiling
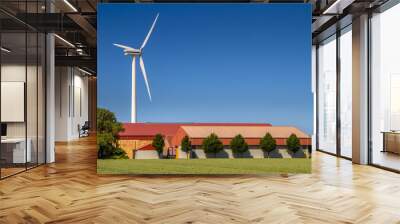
{"points": [[75, 21]]}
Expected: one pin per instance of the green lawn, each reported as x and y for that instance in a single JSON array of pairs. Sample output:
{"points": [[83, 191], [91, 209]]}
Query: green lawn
{"points": [[203, 166]]}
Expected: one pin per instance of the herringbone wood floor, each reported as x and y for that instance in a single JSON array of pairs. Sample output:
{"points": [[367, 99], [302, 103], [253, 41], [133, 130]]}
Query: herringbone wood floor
{"points": [[70, 191]]}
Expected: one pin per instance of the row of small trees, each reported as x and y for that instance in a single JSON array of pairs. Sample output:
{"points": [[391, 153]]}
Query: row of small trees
{"points": [[212, 144]]}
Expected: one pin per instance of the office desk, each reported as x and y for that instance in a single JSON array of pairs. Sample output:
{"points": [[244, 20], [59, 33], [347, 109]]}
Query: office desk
{"points": [[391, 142], [13, 150]]}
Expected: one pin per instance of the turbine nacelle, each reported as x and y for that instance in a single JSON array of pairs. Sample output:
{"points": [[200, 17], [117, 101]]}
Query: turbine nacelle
{"points": [[135, 53]]}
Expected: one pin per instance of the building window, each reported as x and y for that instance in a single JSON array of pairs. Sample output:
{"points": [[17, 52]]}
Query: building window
{"points": [[385, 88], [346, 92], [327, 95]]}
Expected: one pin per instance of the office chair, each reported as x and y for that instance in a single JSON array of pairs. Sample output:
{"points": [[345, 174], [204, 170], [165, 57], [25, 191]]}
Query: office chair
{"points": [[84, 130]]}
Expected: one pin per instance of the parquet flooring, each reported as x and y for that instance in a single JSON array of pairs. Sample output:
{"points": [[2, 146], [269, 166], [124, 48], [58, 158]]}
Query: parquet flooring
{"points": [[70, 191]]}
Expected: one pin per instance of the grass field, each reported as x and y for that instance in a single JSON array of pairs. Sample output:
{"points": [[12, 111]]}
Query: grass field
{"points": [[203, 166]]}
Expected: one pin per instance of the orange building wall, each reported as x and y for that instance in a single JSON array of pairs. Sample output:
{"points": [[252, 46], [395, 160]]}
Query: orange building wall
{"points": [[177, 138], [129, 146], [180, 134], [252, 141]]}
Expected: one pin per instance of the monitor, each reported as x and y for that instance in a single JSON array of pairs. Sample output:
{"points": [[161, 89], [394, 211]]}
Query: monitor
{"points": [[3, 129]]}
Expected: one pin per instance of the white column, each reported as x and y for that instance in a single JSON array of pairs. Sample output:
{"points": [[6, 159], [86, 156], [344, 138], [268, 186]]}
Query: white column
{"points": [[360, 90], [133, 105], [314, 93], [50, 99], [50, 92]]}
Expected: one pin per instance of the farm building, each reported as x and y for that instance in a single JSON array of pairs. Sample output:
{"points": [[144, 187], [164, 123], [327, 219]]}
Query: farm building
{"points": [[139, 136]]}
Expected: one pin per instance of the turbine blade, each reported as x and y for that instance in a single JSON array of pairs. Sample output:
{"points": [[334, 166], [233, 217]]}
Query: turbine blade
{"points": [[150, 31], [124, 47], [144, 75]]}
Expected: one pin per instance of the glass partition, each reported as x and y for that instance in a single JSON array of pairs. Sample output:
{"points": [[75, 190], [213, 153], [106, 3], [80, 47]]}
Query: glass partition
{"points": [[327, 95], [385, 89], [22, 101], [13, 94]]}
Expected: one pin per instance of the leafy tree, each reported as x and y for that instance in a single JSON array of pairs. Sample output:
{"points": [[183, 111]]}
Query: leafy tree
{"points": [[293, 143], [268, 143], [107, 135], [158, 143], [212, 144], [239, 145], [186, 146]]}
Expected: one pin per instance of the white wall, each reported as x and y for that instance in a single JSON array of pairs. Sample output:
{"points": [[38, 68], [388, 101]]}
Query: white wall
{"points": [[16, 73], [9, 73], [71, 102], [62, 82], [33, 126], [80, 110]]}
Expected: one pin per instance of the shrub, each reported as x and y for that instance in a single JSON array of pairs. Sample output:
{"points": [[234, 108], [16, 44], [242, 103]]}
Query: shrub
{"points": [[158, 143], [186, 146], [238, 144], [212, 144], [268, 143], [293, 143], [107, 135], [119, 154]]}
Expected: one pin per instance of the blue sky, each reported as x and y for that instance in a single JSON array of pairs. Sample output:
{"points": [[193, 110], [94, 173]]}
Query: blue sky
{"points": [[209, 62]]}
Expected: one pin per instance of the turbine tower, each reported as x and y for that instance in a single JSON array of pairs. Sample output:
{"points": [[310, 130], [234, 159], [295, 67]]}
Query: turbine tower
{"points": [[137, 53]]}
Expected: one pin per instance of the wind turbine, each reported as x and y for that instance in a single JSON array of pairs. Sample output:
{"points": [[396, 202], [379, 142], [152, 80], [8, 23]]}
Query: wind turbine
{"points": [[137, 53]]}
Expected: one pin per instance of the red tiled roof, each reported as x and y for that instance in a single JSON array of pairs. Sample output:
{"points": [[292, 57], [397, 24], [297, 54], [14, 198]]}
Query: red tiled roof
{"points": [[148, 129], [170, 129]]}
